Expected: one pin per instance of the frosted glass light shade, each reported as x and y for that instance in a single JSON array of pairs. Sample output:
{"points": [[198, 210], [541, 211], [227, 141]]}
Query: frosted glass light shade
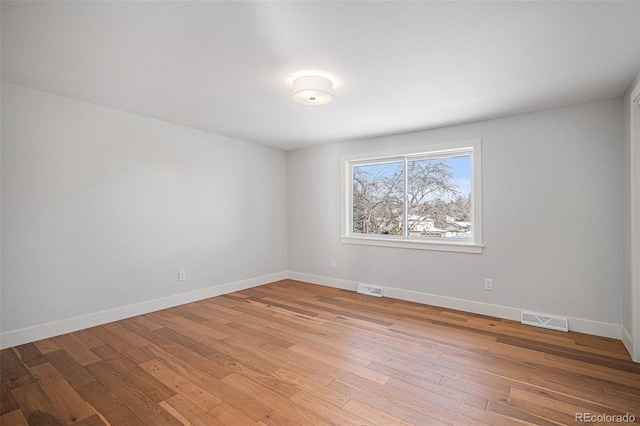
{"points": [[312, 90]]}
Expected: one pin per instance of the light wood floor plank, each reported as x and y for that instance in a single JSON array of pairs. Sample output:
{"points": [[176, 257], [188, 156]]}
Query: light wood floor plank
{"points": [[13, 418]]}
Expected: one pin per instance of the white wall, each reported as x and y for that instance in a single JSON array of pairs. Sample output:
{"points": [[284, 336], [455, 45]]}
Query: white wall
{"points": [[552, 195], [101, 208], [627, 290]]}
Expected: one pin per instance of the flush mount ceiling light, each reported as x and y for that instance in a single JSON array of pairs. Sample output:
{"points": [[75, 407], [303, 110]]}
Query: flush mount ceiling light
{"points": [[312, 90]]}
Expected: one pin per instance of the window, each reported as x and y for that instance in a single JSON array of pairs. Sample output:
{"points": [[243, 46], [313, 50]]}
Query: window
{"points": [[424, 199]]}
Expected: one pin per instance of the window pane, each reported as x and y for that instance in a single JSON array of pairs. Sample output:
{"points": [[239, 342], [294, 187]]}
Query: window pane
{"points": [[439, 197], [378, 198]]}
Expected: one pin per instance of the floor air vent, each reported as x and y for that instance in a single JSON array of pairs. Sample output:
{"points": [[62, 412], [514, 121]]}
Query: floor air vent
{"points": [[370, 290], [545, 321]]}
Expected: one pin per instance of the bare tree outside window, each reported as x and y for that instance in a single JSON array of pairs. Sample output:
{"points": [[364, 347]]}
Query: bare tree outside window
{"points": [[378, 198], [438, 198]]}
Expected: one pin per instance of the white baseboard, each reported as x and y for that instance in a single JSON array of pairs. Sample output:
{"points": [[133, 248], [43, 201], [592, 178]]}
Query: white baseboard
{"points": [[627, 340], [580, 325], [31, 334], [325, 281], [595, 328]]}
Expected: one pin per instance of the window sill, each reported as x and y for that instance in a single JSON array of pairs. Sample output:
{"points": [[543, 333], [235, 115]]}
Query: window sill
{"points": [[414, 244]]}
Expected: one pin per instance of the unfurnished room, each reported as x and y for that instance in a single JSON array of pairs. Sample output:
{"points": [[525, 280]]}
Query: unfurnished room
{"points": [[319, 212]]}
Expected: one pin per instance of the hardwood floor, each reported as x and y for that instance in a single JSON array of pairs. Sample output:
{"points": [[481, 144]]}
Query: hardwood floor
{"points": [[297, 353]]}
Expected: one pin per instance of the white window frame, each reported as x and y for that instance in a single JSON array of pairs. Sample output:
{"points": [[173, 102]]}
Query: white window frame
{"points": [[472, 147]]}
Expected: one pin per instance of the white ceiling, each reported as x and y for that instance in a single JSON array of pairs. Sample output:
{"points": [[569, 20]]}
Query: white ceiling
{"points": [[225, 67]]}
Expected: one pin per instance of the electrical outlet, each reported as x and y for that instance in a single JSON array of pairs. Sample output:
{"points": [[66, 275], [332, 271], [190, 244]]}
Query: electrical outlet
{"points": [[332, 264], [488, 284], [182, 275]]}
